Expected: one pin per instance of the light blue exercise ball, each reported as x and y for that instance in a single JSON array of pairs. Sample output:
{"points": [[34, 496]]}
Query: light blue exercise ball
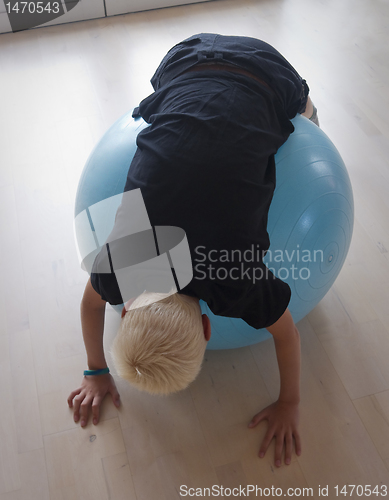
{"points": [[310, 220]]}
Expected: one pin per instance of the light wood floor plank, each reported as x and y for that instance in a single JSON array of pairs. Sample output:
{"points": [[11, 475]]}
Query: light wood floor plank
{"points": [[61, 88], [10, 474], [75, 460], [374, 413], [33, 473]]}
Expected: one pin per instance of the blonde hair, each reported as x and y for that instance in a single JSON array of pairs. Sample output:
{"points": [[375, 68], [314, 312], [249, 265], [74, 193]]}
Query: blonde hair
{"points": [[160, 345]]}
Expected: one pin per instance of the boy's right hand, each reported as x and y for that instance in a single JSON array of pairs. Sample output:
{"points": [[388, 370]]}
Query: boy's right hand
{"points": [[90, 395]]}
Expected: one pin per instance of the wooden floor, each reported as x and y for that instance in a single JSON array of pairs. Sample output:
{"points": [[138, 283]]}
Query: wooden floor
{"points": [[61, 88]]}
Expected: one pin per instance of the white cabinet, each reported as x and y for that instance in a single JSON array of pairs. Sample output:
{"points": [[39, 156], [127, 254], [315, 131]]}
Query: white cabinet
{"points": [[83, 10], [92, 9], [115, 7]]}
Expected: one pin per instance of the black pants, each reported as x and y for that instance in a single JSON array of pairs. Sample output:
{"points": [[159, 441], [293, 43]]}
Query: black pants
{"points": [[251, 54]]}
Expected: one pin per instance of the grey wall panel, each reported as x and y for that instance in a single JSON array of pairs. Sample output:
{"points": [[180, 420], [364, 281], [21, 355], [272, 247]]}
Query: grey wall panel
{"points": [[5, 25]]}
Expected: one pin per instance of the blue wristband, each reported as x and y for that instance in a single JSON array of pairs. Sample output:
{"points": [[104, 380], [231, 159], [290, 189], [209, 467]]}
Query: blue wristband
{"points": [[103, 371]]}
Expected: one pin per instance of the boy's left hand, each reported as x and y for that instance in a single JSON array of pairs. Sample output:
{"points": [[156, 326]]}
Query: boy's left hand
{"points": [[283, 419]]}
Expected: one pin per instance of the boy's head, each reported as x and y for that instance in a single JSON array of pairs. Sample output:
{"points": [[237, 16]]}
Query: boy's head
{"points": [[161, 342]]}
